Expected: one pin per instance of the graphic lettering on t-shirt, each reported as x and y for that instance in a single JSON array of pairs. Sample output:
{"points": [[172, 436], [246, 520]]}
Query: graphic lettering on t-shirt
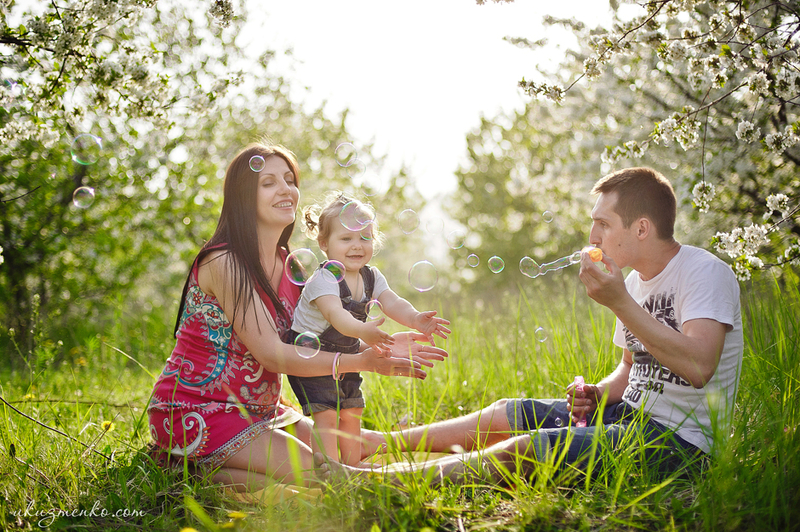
{"points": [[647, 374]]}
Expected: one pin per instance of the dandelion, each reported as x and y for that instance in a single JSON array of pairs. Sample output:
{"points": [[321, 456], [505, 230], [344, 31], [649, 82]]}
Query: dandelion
{"points": [[237, 515], [108, 426]]}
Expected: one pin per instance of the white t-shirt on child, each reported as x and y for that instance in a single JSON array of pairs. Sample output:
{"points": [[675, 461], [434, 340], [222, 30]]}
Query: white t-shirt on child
{"points": [[307, 317], [695, 284]]}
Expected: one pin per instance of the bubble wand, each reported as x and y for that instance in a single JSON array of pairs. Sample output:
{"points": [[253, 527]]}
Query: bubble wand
{"points": [[579, 383], [530, 268]]}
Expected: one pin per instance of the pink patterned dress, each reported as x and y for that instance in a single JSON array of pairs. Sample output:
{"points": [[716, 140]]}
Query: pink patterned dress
{"points": [[213, 398]]}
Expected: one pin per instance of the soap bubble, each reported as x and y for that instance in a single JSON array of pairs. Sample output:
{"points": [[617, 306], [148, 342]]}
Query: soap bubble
{"points": [[299, 266], [408, 220], [374, 310], [455, 239], [86, 149], [83, 197], [14, 90], [257, 163], [345, 154], [559, 422], [529, 267], [356, 169], [540, 334], [423, 276], [575, 258], [336, 268], [355, 215], [473, 260], [366, 233], [496, 264], [435, 226], [307, 344], [547, 216]]}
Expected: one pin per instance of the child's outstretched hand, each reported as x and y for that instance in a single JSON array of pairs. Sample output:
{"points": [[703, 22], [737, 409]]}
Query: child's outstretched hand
{"points": [[372, 335], [428, 324]]}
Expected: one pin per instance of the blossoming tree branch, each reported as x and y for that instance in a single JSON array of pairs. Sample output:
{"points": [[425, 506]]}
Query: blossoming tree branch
{"points": [[721, 79]]}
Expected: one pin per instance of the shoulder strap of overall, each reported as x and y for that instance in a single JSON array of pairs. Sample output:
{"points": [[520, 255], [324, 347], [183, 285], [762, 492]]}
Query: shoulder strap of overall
{"points": [[369, 280]]}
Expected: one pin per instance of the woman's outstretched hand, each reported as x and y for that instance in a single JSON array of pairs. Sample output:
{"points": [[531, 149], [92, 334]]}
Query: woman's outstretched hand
{"points": [[407, 356]]}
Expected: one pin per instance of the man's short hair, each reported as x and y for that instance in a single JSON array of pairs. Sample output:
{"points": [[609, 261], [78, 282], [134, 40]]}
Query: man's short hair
{"points": [[642, 192]]}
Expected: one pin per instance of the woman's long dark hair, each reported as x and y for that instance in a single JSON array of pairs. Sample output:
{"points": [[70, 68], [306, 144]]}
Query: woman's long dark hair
{"points": [[236, 231]]}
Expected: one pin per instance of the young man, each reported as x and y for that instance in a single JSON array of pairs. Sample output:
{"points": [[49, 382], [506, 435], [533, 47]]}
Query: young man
{"points": [[679, 327]]}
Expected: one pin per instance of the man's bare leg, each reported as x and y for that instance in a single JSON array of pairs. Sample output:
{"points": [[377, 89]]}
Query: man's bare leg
{"points": [[474, 431], [498, 464]]}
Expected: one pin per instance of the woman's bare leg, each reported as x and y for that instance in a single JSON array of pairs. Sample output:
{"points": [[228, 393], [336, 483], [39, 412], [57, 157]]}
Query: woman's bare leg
{"points": [[276, 454], [350, 435], [474, 431], [497, 464], [240, 479]]}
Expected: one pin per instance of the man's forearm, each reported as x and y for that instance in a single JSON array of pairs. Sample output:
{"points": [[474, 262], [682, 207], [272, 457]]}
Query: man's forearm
{"points": [[613, 386]]}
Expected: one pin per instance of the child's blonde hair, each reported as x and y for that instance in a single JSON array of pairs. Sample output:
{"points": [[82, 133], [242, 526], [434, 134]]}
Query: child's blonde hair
{"points": [[318, 220]]}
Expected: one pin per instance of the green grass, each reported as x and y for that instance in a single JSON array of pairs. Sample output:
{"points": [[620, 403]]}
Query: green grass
{"points": [[65, 480]]}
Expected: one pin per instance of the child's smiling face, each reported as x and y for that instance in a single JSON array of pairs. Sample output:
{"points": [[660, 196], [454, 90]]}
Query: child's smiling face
{"points": [[352, 248]]}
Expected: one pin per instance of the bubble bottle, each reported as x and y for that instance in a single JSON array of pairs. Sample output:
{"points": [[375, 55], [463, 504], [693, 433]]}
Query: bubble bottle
{"points": [[579, 382]]}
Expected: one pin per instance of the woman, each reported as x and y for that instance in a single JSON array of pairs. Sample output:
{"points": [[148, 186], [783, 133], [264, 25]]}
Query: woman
{"points": [[217, 402]]}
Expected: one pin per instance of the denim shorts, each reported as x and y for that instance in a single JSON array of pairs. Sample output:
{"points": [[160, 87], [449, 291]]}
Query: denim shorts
{"points": [[317, 394], [615, 424]]}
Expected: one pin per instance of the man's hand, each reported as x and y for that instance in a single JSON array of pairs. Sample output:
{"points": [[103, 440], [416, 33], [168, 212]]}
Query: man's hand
{"points": [[582, 404], [606, 288]]}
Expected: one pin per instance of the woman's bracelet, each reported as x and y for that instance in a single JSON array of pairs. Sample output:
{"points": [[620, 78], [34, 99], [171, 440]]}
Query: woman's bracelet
{"points": [[335, 367]]}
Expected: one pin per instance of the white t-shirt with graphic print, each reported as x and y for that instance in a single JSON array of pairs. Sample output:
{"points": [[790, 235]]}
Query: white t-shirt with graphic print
{"points": [[695, 284]]}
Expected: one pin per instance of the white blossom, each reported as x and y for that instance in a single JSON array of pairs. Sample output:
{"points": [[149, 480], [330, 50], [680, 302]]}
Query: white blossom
{"points": [[754, 237], [759, 84], [222, 10], [554, 93], [2, 260], [703, 193], [592, 68], [792, 254], [787, 84], [777, 202], [742, 271], [755, 262], [778, 142], [747, 131]]}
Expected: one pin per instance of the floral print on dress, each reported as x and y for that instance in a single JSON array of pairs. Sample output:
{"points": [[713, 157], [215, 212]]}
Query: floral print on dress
{"points": [[213, 396]]}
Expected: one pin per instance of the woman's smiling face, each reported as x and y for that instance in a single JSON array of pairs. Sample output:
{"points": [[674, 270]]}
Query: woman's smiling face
{"points": [[277, 193]]}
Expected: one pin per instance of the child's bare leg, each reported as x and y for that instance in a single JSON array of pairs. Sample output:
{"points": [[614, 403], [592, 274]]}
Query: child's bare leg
{"points": [[473, 431], [323, 438], [350, 435]]}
